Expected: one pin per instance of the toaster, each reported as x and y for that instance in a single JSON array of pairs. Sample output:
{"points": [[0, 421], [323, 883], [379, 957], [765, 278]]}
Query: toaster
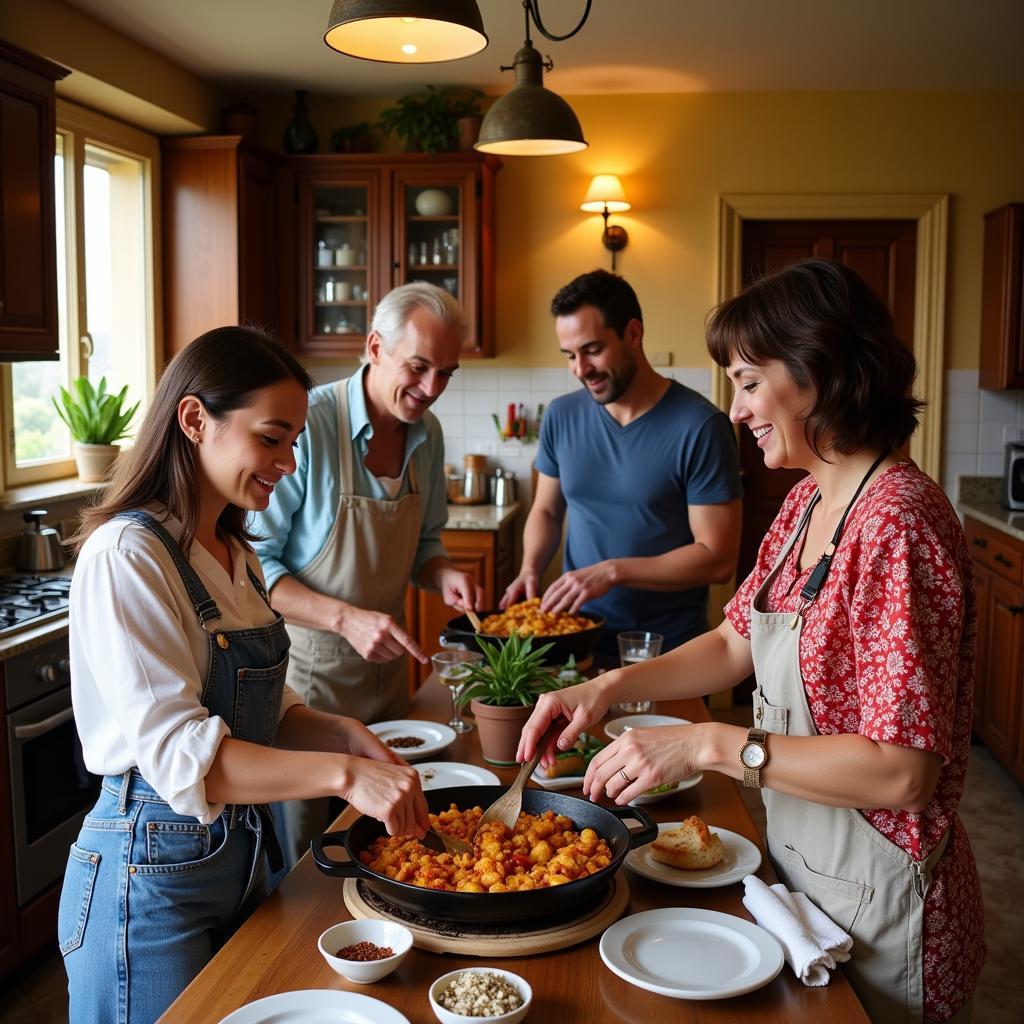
{"points": [[1013, 476]]}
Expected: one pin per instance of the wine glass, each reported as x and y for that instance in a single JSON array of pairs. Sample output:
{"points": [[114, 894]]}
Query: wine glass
{"points": [[452, 667]]}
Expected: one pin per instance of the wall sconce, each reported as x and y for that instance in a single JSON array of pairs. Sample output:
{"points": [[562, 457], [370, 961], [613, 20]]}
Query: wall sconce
{"points": [[606, 196]]}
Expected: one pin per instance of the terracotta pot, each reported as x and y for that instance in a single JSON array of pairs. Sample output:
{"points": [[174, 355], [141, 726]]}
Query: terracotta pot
{"points": [[469, 131], [500, 729], [94, 461]]}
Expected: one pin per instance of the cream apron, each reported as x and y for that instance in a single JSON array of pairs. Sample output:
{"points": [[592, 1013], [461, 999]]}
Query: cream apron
{"points": [[366, 561], [865, 883]]}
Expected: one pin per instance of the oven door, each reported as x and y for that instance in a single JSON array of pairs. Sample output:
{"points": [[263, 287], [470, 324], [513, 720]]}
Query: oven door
{"points": [[51, 791]]}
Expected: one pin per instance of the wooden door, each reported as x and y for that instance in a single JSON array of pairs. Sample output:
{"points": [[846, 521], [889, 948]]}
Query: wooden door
{"points": [[884, 254], [1001, 686]]}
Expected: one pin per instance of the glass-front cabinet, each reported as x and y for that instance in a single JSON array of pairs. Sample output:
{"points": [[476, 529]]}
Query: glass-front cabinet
{"points": [[365, 228]]}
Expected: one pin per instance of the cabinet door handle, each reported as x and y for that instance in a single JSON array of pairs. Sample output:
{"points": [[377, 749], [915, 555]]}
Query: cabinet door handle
{"points": [[980, 542], [1003, 560], [1016, 609]]}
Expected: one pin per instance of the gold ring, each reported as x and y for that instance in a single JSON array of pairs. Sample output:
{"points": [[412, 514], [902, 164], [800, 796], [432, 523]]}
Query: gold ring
{"points": [[625, 778]]}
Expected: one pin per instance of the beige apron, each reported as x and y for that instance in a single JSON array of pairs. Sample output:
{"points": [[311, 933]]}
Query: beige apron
{"points": [[865, 883], [366, 561]]}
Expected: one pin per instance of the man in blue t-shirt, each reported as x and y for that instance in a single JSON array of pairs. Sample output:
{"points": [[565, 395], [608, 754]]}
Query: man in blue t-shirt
{"points": [[648, 471]]}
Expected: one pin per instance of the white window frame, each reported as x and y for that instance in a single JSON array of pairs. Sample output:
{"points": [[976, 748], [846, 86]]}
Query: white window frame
{"points": [[81, 127]]}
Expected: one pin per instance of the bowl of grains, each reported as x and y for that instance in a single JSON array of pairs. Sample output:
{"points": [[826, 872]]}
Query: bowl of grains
{"points": [[365, 951], [476, 995]]}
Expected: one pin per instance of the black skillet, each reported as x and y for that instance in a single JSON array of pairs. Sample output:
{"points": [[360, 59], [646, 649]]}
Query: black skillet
{"points": [[580, 645], [609, 823]]}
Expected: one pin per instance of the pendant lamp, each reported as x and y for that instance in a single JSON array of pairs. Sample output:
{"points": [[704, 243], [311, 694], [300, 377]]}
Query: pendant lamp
{"points": [[531, 120], [406, 31]]}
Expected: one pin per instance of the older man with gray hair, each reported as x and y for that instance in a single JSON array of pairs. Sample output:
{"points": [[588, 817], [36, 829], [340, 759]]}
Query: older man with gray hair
{"points": [[361, 517]]}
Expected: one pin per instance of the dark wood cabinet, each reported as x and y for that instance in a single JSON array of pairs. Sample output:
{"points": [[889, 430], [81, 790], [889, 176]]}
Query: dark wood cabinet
{"points": [[1002, 299], [28, 248], [360, 226], [487, 555], [999, 683], [221, 252]]}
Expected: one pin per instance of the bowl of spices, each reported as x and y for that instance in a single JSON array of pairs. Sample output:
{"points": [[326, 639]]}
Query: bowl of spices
{"points": [[480, 995], [365, 951]]}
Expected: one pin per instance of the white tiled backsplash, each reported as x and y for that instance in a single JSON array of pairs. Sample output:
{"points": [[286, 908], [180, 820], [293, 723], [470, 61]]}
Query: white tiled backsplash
{"points": [[977, 425], [476, 393]]}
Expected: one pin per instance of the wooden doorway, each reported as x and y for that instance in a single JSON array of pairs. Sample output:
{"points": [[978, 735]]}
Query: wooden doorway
{"points": [[884, 253]]}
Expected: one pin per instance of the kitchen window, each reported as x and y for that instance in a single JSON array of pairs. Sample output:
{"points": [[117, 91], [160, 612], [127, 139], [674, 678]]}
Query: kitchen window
{"points": [[105, 182]]}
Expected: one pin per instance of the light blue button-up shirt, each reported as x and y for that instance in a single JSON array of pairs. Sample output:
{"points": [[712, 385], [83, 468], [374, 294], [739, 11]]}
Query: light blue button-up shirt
{"points": [[304, 506]]}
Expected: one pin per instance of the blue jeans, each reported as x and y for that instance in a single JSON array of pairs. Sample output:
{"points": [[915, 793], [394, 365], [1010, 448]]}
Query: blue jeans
{"points": [[149, 896]]}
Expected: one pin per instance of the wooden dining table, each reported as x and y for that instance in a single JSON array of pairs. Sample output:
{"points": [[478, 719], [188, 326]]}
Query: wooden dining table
{"points": [[276, 949]]}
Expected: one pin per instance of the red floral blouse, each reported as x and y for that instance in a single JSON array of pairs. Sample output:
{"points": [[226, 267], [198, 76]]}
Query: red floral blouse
{"points": [[887, 650]]}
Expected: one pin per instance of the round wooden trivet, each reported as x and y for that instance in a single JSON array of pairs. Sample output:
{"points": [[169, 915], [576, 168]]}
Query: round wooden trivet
{"points": [[521, 938]]}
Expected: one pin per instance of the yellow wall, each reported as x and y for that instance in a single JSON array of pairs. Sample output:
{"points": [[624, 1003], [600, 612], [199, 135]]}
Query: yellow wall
{"points": [[677, 153]]}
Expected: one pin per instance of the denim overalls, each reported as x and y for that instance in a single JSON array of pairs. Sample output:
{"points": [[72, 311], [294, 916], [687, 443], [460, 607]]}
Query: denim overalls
{"points": [[150, 895]]}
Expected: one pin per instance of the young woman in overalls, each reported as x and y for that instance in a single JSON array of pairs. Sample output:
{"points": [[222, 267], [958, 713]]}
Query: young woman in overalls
{"points": [[859, 622], [177, 678]]}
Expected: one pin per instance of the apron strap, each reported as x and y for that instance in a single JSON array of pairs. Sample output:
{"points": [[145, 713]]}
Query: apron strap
{"points": [[205, 607], [922, 869]]}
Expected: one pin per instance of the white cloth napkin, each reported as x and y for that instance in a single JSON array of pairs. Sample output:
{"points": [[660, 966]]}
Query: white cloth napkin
{"points": [[812, 941]]}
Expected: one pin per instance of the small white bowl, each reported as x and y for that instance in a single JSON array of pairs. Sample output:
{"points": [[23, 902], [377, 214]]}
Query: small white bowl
{"points": [[380, 933], [617, 726], [450, 1017]]}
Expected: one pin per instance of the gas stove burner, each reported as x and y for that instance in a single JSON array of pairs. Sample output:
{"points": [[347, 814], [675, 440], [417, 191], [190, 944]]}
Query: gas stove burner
{"points": [[27, 600]]}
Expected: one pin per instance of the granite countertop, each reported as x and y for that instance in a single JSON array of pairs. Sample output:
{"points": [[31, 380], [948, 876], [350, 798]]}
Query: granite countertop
{"points": [[980, 497], [480, 517]]}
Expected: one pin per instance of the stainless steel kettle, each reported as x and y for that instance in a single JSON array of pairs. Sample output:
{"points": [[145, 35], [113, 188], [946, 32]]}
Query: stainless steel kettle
{"points": [[39, 548]]}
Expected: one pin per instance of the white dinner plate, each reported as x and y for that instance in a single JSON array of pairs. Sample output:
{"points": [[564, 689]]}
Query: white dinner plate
{"points": [[435, 737], [691, 954], [316, 1006], [617, 726], [575, 781], [440, 774], [653, 798], [742, 858]]}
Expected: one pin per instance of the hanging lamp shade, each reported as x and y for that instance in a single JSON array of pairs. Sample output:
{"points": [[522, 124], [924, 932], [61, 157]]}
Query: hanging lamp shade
{"points": [[605, 192], [406, 31], [530, 120]]}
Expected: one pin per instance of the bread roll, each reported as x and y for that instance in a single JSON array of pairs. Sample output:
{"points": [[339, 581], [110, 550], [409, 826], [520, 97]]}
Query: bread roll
{"points": [[692, 846]]}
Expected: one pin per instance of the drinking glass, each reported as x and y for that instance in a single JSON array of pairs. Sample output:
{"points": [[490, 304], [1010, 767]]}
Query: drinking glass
{"points": [[452, 668], [634, 646]]}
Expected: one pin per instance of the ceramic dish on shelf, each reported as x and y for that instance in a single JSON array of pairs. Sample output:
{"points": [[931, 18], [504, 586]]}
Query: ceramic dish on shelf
{"points": [[434, 737], [688, 953], [617, 726], [742, 858], [441, 774], [316, 1006]]}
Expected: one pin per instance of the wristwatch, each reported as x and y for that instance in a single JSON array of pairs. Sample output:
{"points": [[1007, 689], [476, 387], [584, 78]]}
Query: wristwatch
{"points": [[753, 757]]}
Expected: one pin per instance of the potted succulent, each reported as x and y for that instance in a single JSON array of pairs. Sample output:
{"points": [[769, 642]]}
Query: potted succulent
{"points": [[96, 422], [427, 121], [503, 690]]}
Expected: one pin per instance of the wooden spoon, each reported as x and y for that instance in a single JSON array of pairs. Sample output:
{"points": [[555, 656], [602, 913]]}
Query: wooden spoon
{"points": [[474, 620], [507, 807], [441, 842]]}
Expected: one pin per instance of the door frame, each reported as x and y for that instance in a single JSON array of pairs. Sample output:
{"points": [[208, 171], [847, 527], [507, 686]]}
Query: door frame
{"points": [[931, 211]]}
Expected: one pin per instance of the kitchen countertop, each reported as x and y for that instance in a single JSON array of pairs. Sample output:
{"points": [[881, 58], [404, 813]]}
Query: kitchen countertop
{"points": [[36, 636], [275, 950], [993, 514], [480, 517]]}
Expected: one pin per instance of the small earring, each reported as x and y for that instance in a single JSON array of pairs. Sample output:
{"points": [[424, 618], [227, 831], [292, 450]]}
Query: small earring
{"points": [[195, 440]]}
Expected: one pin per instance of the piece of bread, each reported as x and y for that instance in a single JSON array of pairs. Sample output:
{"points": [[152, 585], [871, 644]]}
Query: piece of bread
{"points": [[692, 846]]}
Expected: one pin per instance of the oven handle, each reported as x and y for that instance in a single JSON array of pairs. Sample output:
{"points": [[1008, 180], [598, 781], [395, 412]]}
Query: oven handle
{"points": [[36, 729]]}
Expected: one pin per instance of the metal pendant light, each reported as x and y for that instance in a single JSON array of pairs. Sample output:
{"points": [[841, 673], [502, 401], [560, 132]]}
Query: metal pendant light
{"points": [[406, 31], [531, 120]]}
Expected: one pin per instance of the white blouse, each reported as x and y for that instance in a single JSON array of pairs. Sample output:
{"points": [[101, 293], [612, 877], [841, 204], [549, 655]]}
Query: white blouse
{"points": [[139, 659]]}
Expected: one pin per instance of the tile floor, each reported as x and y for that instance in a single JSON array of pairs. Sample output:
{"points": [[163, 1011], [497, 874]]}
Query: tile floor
{"points": [[992, 811]]}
